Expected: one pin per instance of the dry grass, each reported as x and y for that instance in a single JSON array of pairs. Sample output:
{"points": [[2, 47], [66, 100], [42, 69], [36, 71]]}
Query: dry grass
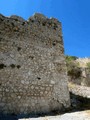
{"points": [[83, 62]]}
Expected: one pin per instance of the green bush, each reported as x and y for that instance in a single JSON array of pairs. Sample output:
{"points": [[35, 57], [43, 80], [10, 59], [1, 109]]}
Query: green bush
{"points": [[88, 65], [74, 73], [70, 58], [70, 61], [73, 69]]}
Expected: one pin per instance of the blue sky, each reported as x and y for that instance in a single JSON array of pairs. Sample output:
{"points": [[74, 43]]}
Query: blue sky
{"points": [[74, 15]]}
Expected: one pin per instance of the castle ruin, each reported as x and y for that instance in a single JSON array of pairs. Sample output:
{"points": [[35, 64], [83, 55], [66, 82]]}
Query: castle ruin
{"points": [[33, 77]]}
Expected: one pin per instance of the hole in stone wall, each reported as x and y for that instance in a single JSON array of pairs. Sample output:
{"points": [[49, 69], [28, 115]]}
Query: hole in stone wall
{"points": [[14, 43], [12, 24], [23, 23], [2, 66], [15, 19], [38, 78], [43, 24], [1, 19], [39, 21], [7, 20], [18, 66], [31, 20], [19, 48], [2, 39], [12, 66], [54, 44], [55, 26], [31, 57], [50, 24]]}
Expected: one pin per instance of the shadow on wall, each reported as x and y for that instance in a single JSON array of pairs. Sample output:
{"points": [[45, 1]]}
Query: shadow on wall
{"points": [[27, 116]]}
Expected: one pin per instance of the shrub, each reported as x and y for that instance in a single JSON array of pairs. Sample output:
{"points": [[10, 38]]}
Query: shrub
{"points": [[73, 69], [88, 65], [74, 73], [70, 61], [70, 58]]}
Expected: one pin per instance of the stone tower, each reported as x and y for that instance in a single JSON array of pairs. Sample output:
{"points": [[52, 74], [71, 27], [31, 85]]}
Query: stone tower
{"points": [[33, 75]]}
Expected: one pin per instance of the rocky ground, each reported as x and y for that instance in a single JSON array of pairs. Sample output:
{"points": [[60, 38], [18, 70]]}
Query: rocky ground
{"points": [[79, 90]]}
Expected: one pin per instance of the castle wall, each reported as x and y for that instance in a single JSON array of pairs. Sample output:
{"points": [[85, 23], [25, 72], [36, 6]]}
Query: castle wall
{"points": [[33, 75]]}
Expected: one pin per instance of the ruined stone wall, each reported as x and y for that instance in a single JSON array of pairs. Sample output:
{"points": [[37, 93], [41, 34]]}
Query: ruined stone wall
{"points": [[33, 75]]}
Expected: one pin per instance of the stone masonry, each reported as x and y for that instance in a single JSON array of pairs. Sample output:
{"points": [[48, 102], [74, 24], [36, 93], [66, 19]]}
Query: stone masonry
{"points": [[33, 76]]}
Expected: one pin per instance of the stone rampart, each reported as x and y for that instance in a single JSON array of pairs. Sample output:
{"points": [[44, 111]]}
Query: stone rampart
{"points": [[33, 76]]}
